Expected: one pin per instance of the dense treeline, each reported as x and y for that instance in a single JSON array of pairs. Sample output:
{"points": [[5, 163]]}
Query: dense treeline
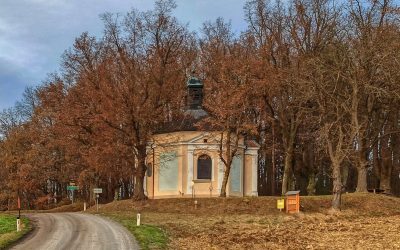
{"points": [[315, 82]]}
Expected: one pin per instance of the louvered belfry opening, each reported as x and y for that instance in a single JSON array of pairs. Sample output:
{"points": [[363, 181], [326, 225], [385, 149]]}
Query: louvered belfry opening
{"points": [[195, 93]]}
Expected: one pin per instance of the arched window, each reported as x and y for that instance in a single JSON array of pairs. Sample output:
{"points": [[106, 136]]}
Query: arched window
{"points": [[204, 167]]}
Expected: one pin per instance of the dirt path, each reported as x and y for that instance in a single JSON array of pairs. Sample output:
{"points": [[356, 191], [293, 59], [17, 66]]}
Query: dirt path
{"points": [[76, 231]]}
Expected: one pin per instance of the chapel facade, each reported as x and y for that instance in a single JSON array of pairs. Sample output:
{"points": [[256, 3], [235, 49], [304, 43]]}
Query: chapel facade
{"points": [[186, 163]]}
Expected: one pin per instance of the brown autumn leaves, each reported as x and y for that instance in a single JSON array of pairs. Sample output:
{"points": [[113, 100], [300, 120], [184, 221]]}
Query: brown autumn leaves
{"points": [[315, 82]]}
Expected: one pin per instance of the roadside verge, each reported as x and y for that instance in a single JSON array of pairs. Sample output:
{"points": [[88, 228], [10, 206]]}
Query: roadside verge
{"points": [[148, 236], [8, 232]]}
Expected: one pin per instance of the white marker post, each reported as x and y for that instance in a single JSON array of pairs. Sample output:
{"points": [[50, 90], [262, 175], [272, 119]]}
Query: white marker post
{"points": [[18, 225], [138, 220], [84, 206]]}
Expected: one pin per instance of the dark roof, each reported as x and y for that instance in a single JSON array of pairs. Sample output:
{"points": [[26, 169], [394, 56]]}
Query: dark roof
{"points": [[190, 120], [194, 82], [194, 120], [251, 144], [292, 192]]}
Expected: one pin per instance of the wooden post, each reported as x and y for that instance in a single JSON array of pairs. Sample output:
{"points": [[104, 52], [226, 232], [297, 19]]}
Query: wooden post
{"points": [[97, 202], [19, 215]]}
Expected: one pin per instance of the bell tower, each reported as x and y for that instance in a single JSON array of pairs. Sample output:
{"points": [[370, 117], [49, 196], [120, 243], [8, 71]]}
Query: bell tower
{"points": [[194, 99]]}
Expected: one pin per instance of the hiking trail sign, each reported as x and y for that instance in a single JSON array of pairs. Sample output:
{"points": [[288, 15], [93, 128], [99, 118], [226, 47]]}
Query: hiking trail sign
{"points": [[72, 188]]}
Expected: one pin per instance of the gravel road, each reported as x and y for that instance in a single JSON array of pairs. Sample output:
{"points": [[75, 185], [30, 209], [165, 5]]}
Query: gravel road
{"points": [[76, 231]]}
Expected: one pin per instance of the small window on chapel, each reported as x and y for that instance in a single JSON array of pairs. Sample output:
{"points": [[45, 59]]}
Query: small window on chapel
{"points": [[204, 167]]}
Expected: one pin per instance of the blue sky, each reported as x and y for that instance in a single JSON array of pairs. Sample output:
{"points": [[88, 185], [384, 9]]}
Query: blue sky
{"points": [[35, 33]]}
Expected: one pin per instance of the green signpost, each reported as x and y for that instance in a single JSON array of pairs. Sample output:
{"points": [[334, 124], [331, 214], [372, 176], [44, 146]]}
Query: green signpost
{"points": [[72, 189]]}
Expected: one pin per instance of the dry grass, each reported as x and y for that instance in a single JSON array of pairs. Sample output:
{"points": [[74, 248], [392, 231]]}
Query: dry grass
{"points": [[76, 207], [366, 222]]}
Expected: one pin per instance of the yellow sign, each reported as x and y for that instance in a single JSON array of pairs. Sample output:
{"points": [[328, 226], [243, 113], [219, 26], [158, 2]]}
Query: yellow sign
{"points": [[280, 204]]}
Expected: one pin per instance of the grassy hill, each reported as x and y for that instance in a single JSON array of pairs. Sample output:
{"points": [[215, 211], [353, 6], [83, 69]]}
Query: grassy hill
{"points": [[367, 221]]}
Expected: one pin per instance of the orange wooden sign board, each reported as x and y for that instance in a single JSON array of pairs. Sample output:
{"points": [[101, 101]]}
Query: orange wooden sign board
{"points": [[293, 202]]}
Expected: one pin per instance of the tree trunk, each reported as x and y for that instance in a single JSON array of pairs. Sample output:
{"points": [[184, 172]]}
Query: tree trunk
{"points": [[127, 192], [311, 184], [287, 173], [273, 160], [138, 192], [387, 163], [289, 139], [225, 181], [362, 164], [386, 176], [337, 186], [345, 176], [229, 153], [362, 179], [264, 187]]}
